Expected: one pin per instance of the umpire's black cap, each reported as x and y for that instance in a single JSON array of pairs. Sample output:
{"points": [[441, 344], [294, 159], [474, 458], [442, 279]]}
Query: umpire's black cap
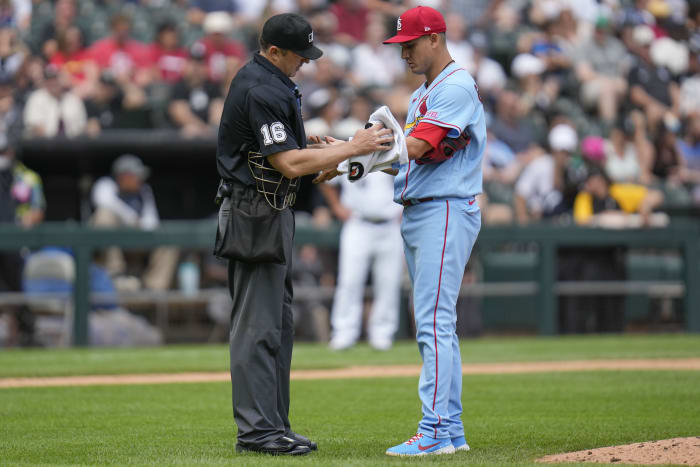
{"points": [[292, 32]]}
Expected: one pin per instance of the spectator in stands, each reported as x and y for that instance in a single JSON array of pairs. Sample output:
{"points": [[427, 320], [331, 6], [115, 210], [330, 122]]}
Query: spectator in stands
{"points": [[196, 102], [652, 88], [459, 47], [510, 125], [167, 56], [690, 84], [353, 18], [601, 65], [595, 199], [21, 202], [503, 33], [632, 16], [126, 58], [53, 110], [689, 146], [547, 48], [126, 200], [617, 160], [64, 16], [628, 153], [109, 106], [326, 75], [488, 73], [535, 193], [324, 24], [548, 185], [13, 53], [668, 166], [16, 14], [501, 167], [199, 9], [10, 112], [72, 58], [223, 55], [328, 109], [534, 95], [360, 109], [372, 55]]}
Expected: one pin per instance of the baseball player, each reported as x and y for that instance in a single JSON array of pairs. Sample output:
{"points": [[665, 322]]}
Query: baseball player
{"points": [[262, 150], [445, 136], [370, 239]]}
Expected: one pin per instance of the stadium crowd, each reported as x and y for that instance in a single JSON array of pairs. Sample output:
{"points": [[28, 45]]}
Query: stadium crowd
{"points": [[598, 98], [593, 106]]}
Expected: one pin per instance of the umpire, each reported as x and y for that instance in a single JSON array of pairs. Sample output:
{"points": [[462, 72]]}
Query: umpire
{"points": [[262, 151]]}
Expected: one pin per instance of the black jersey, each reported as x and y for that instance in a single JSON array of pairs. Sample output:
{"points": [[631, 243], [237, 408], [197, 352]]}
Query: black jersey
{"points": [[262, 113]]}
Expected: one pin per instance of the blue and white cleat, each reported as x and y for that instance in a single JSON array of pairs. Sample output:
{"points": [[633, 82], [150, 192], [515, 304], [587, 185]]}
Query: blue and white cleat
{"points": [[422, 445], [460, 444]]}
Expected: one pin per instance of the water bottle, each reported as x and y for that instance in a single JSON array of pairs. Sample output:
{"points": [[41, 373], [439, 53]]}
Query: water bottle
{"points": [[188, 278]]}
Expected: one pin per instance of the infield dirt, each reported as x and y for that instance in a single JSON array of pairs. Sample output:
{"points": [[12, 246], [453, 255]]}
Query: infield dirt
{"points": [[677, 451], [362, 372]]}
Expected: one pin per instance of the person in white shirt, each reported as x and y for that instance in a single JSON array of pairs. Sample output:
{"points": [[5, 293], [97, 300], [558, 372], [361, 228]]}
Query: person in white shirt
{"points": [[125, 200], [370, 238], [53, 111]]}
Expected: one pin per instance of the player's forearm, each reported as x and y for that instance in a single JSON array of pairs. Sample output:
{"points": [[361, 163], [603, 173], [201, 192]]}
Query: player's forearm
{"points": [[298, 162], [417, 147]]}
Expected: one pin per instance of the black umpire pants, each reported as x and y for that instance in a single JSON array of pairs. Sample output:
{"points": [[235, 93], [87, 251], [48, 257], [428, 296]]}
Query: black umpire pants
{"points": [[261, 338]]}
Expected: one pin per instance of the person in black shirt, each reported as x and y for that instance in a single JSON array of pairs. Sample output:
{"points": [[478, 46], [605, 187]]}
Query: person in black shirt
{"points": [[262, 150], [195, 100]]}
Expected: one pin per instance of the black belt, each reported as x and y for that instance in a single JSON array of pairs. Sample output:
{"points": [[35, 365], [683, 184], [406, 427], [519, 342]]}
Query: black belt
{"points": [[411, 202], [375, 220]]}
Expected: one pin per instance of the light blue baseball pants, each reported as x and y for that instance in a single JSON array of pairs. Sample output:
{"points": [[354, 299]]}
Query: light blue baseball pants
{"points": [[438, 239]]}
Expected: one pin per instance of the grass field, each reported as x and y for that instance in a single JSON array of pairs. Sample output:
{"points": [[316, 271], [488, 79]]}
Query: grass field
{"points": [[215, 357], [510, 419]]}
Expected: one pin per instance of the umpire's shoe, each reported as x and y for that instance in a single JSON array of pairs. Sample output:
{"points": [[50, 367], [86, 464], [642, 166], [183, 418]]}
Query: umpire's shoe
{"points": [[282, 446], [302, 440]]}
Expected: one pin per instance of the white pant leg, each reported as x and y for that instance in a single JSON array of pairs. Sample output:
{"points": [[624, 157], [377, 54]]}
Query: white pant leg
{"points": [[355, 250], [387, 269]]}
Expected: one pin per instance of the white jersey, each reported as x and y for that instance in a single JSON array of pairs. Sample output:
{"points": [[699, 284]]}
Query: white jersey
{"points": [[369, 198]]}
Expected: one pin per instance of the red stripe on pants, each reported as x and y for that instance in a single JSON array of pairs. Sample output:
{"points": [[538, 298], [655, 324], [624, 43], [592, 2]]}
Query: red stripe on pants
{"points": [[437, 300]]}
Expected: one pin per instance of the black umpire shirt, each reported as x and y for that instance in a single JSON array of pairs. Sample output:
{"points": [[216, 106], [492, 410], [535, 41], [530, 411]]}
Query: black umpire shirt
{"points": [[262, 113]]}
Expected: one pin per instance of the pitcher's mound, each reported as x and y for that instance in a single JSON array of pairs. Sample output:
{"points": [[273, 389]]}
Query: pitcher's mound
{"points": [[683, 451]]}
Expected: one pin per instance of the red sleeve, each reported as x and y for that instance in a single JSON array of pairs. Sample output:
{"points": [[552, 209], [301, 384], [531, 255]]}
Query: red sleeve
{"points": [[432, 134]]}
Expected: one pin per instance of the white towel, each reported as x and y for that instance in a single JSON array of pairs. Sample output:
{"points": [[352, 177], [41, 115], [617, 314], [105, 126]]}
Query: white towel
{"points": [[359, 166]]}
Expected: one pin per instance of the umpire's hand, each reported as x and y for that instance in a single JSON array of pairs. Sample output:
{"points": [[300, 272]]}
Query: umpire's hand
{"points": [[374, 138]]}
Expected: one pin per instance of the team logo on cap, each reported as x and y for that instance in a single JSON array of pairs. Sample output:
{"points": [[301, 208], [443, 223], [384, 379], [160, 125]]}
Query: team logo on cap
{"points": [[398, 24], [311, 37], [427, 28]]}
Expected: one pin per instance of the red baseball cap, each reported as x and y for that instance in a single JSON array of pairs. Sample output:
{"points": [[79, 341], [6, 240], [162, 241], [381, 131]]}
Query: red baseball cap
{"points": [[417, 22]]}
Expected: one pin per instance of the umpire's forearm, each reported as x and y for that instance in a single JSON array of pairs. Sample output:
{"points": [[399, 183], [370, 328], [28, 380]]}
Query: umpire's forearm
{"points": [[298, 162]]}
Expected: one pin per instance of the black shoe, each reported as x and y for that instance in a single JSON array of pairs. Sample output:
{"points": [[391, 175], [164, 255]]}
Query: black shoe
{"points": [[302, 440], [282, 446]]}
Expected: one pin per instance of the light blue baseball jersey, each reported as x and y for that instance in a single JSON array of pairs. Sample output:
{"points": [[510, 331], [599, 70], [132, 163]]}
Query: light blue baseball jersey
{"points": [[451, 101]]}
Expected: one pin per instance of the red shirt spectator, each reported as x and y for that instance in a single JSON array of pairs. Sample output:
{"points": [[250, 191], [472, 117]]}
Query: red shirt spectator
{"points": [[352, 17], [222, 54], [166, 55], [219, 52], [72, 57], [119, 53]]}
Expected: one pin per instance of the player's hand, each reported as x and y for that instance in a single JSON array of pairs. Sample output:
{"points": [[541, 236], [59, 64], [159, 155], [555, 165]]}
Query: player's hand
{"points": [[314, 139], [325, 175], [374, 138]]}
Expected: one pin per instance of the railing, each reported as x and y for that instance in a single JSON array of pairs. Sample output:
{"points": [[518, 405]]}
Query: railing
{"points": [[200, 234]]}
